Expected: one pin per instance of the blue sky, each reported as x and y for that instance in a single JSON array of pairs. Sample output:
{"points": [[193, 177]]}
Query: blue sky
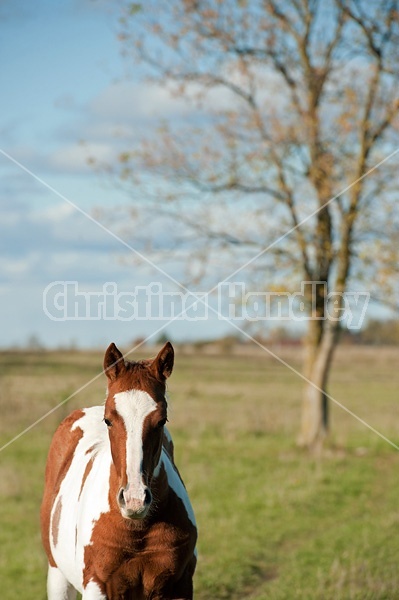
{"points": [[65, 97], [68, 95]]}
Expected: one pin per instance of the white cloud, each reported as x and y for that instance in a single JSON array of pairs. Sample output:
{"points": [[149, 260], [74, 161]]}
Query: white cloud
{"points": [[56, 213], [128, 100], [74, 158], [112, 120], [15, 267]]}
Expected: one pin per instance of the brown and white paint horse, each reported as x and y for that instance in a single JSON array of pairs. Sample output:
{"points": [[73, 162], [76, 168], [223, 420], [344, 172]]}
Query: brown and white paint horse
{"points": [[117, 522]]}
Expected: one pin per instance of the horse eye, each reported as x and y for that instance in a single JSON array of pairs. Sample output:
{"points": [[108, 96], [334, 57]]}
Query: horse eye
{"points": [[107, 422], [161, 423]]}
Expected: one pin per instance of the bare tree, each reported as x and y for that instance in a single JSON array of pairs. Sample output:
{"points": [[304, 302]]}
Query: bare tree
{"points": [[295, 104]]}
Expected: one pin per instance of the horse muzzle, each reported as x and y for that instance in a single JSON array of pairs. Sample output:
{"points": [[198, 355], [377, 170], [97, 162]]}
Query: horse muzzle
{"points": [[134, 505]]}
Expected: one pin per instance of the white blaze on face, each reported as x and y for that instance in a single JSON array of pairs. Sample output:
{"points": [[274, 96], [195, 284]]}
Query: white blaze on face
{"points": [[134, 406]]}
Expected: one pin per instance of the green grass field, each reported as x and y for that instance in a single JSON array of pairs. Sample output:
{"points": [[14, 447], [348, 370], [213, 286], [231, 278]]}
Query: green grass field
{"points": [[273, 522]]}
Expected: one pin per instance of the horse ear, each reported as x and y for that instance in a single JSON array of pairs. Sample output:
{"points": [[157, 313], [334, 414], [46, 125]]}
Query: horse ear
{"points": [[162, 365], [114, 364]]}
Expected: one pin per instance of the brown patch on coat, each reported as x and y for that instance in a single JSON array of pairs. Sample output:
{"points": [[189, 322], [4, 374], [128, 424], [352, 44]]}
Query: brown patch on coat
{"points": [[55, 524], [86, 474]]}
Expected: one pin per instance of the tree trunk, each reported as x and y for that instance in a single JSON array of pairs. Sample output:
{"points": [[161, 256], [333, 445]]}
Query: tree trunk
{"points": [[320, 345]]}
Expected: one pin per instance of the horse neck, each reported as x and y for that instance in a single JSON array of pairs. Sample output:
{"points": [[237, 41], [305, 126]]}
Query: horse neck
{"points": [[159, 485]]}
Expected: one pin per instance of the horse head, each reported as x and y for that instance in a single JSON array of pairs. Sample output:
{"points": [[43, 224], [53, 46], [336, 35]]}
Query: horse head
{"points": [[135, 414]]}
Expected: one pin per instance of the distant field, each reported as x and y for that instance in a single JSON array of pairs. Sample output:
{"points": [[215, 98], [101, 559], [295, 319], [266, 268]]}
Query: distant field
{"points": [[273, 523]]}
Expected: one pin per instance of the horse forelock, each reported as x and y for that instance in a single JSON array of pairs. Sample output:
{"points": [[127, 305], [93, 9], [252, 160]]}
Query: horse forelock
{"points": [[138, 376]]}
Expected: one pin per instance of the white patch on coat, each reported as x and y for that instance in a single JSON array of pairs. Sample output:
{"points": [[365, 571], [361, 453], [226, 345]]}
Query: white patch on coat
{"points": [[177, 485], [81, 508], [134, 406], [92, 592], [167, 435], [157, 469]]}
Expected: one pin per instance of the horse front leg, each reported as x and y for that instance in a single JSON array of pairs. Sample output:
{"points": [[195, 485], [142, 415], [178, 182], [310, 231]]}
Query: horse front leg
{"points": [[58, 587], [92, 591]]}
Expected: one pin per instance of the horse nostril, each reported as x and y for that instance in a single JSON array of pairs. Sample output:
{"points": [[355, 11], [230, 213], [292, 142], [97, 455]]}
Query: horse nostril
{"points": [[147, 496], [121, 498]]}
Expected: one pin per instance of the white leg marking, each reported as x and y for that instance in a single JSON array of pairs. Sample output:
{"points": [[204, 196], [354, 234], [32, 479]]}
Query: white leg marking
{"points": [[58, 587], [93, 592]]}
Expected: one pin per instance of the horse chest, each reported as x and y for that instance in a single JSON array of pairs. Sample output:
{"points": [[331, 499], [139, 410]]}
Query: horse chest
{"points": [[126, 563]]}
